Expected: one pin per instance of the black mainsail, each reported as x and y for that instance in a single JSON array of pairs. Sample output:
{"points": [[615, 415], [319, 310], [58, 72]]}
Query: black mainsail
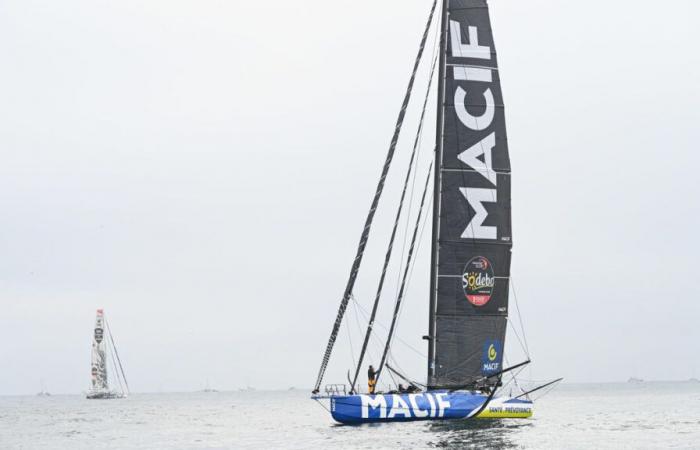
{"points": [[472, 221]]}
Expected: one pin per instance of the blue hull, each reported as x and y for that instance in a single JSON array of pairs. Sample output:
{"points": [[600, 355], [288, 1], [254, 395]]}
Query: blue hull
{"points": [[433, 405]]}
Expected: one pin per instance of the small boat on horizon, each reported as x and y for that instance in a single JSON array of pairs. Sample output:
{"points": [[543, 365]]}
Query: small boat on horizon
{"points": [[104, 349], [208, 389], [43, 392], [635, 380]]}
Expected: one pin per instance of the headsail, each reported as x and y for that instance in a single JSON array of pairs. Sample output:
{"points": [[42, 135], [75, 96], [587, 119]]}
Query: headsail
{"points": [[99, 356], [472, 239]]}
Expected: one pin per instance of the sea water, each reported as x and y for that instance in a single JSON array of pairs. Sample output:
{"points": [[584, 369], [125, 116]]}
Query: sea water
{"points": [[586, 416]]}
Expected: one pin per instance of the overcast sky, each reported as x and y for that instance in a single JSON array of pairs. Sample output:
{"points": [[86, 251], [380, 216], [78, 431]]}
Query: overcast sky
{"points": [[202, 170]]}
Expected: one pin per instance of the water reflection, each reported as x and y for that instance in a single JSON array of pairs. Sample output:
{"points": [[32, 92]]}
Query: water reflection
{"points": [[480, 433]]}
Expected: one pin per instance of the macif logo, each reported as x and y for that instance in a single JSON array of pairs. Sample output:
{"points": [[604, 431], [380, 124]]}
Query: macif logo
{"points": [[491, 357], [475, 77]]}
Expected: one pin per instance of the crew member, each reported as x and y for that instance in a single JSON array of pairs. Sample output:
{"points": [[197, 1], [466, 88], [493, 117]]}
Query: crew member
{"points": [[371, 379]]}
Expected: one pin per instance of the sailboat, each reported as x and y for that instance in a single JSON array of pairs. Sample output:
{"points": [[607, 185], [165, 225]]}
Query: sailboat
{"points": [[104, 349], [470, 245], [208, 389], [43, 392]]}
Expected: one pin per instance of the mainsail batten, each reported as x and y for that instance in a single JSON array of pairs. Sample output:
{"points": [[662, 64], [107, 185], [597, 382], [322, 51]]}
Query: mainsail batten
{"points": [[472, 236]]}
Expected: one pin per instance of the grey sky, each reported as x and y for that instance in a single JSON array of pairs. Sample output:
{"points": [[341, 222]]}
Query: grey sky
{"points": [[202, 170]]}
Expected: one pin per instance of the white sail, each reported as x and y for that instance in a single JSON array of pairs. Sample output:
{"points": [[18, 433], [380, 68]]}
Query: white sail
{"points": [[103, 349], [99, 356]]}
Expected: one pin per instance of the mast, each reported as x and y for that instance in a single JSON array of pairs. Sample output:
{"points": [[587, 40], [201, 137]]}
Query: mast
{"points": [[436, 192]]}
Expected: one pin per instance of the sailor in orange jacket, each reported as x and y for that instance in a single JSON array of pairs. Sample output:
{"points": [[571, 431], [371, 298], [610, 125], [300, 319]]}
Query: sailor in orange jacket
{"points": [[371, 379]]}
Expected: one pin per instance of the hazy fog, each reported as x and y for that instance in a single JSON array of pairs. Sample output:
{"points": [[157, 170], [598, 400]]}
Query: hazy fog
{"points": [[202, 170]]}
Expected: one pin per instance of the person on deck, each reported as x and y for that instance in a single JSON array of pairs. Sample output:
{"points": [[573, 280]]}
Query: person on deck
{"points": [[371, 379], [412, 388]]}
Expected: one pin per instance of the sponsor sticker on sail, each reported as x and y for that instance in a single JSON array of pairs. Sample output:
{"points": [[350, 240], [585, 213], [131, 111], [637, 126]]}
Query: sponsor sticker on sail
{"points": [[99, 333], [478, 281], [491, 357]]}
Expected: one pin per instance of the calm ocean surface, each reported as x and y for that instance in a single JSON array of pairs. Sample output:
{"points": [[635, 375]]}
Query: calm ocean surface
{"points": [[592, 416]]}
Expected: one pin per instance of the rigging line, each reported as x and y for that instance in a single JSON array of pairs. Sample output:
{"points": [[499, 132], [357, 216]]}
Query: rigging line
{"points": [[114, 369], [402, 371], [434, 58], [352, 352], [513, 379], [410, 275], [520, 316], [417, 252], [512, 327], [418, 352], [376, 345], [364, 316], [408, 265], [375, 348], [516, 374], [551, 383], [373, 208], [413, 266], [116, 353], [387, 256], [419, 137], [392, 379], [322, 405], [360, 309], [403, 377]]}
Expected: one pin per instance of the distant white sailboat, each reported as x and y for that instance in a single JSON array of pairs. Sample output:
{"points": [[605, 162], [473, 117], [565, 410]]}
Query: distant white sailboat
{"points": [[208, 389], [43, 392], [101, 349]]}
